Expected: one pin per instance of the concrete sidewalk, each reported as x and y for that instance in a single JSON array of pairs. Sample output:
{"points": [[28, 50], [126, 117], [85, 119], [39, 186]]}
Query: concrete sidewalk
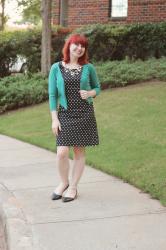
{"points": [[107, 215]]}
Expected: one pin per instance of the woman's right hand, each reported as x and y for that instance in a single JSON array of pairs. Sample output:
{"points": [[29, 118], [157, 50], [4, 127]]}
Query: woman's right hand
{"points": [[56, 126]]}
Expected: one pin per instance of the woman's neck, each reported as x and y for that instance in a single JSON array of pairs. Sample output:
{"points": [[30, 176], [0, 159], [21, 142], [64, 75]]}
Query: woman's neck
{"points": [[73, 60]]}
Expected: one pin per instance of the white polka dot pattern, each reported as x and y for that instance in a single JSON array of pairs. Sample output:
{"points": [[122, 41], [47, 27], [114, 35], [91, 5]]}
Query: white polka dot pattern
{"points": [[78, 122]]}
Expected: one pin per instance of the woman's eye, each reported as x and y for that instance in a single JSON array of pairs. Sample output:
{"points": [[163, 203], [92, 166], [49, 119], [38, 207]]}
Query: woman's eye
{"points": [[77, 44]]}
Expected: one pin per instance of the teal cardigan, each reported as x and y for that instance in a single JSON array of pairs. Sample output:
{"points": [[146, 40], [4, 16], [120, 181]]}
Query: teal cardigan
{"points": [[56, 87]]}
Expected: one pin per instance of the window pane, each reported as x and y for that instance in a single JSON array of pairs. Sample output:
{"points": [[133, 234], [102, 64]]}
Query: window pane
{"points": [[119, 8]]}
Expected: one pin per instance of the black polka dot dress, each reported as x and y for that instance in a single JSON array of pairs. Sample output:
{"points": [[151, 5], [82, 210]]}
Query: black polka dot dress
{"points": [[78, 122]]}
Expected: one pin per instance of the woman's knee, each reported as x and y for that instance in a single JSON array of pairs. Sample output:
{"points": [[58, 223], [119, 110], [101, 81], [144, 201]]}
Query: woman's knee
{"points": [[79, 152], [62, 152]]}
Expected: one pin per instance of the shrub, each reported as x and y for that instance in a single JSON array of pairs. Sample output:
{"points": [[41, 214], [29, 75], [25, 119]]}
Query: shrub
{"points": [[122, 73], [116, 42], [8, 51], [28, 44], [19, 91]]}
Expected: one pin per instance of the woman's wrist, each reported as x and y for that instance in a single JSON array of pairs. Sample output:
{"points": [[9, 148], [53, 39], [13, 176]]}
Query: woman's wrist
{"points": [[91, 93], [55, 120], [54, 116]]}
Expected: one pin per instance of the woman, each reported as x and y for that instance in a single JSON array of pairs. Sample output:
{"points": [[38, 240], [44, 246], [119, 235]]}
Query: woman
{"points": [[72, 85]]}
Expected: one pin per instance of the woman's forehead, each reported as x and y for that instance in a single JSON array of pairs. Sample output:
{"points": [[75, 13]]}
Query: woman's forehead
{"points": [[77, 43]]}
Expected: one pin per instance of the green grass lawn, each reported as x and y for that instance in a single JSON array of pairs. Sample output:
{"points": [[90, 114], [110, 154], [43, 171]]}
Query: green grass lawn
{"points": [[132, 130]]}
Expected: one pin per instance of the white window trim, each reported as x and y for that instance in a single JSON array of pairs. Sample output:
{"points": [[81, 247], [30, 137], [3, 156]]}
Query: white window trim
{"points": [[115, 11]]}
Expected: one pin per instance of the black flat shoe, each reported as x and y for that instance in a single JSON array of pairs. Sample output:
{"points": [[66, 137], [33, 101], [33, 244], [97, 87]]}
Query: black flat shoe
{"points": [[58, 196], [67, 199]]}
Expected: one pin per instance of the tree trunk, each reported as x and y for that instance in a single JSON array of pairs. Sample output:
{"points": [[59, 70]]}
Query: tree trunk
{"points": [[2, 14], [46, 37]]}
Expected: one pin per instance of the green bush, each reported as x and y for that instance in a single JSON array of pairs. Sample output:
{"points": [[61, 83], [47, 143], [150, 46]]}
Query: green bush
{"points": [[116, 42], [8, 51], [122, 73], [19, 91], [22, 90], [28, 44]]}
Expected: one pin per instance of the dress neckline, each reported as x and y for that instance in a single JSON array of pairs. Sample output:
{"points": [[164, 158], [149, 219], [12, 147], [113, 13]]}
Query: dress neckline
{"points": [[78, 68]]}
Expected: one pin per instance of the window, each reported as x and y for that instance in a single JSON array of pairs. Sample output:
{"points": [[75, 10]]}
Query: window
{"points": [[119, 8]]}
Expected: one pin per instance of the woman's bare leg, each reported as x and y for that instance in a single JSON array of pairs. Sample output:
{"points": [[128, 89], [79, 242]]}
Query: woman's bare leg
{"points": [[63, 168], [78, 168]]}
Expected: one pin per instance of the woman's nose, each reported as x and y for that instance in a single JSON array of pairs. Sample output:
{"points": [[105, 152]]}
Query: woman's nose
{"points": [[79, 47]]}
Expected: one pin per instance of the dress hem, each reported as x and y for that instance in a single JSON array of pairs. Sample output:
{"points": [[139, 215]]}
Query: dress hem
{"points": [[76, 145]]}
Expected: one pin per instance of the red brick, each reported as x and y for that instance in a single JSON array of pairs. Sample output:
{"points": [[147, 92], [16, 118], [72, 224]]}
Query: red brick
{"points": [[89, 11]]}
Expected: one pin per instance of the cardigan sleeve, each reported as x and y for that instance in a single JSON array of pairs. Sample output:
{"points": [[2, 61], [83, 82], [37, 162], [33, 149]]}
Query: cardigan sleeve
{"points": [[94, 81], [52, 88]]}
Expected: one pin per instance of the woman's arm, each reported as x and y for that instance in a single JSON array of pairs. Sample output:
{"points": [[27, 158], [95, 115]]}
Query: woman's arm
{"points": [[56, 126], [52, 90], [94, 81], [87, 93], [92, 93]]}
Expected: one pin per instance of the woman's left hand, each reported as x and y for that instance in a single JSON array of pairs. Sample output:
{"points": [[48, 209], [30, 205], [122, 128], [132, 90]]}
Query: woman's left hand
{"points": [[84, 94]]}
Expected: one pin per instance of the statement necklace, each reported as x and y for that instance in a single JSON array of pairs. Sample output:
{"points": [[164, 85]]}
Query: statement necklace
{"points": [[73, 72]]}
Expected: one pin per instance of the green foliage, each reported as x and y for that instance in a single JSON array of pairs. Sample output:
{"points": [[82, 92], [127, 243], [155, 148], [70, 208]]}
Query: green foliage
{"points": [[28, 44], [122, 73], [115, 42], [19, 91], [25, 43], [8, 47], [30, 10], [58, 39]]}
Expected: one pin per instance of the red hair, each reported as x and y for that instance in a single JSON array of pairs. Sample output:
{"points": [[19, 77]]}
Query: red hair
{"points": [[76, 38]]}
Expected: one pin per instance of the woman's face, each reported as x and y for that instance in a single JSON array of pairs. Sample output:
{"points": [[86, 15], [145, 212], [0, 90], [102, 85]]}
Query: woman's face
{"points": [[77, 49]]}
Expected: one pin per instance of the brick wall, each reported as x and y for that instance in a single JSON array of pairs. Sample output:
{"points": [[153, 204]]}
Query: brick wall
{"points": [[84, 12], [146, 11], [55, 11]]}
